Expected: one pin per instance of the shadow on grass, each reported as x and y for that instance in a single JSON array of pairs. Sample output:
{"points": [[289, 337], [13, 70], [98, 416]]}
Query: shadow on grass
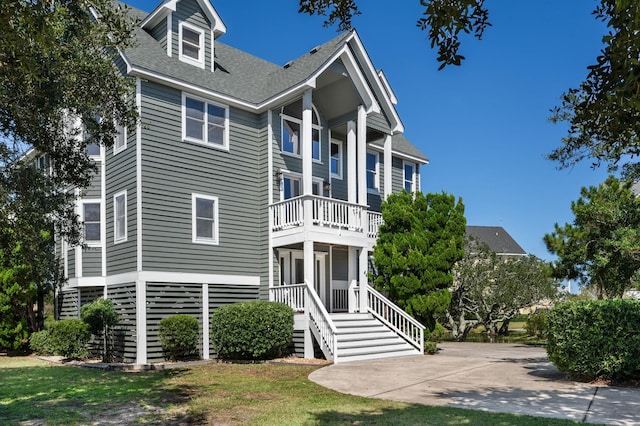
{"points": [[423, 415], [62, 394]]}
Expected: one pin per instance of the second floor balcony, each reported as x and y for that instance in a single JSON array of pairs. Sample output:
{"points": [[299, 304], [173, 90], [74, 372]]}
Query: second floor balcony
{"points": [[329, 219]]}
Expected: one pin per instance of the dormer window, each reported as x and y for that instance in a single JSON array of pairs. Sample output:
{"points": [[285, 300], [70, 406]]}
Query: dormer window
{"points": [[191, 44]]}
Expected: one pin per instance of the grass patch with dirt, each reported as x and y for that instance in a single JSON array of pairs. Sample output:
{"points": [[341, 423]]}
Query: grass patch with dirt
{"points": [[34, 392]]}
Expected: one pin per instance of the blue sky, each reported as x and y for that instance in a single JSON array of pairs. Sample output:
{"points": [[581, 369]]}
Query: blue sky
{"points": [[484, 125]]}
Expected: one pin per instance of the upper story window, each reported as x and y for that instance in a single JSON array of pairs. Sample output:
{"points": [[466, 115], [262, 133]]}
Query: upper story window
{"points": [[336, 159], [292, 186], [120, 141], [120, 217], [373, 178], [191, 44], [91, 221], [204, 219], [409, 177], [291, 131], [42, 163], [205, 122]]}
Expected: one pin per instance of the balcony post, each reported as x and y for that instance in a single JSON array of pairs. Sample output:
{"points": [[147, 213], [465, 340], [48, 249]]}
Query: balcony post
{"points": [[387, 166], [362, 156], [353, 279], [351, 162], [364, 279]]}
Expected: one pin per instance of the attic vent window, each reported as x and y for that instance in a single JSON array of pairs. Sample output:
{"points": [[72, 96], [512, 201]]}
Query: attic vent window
{"points": [[191, 44]]}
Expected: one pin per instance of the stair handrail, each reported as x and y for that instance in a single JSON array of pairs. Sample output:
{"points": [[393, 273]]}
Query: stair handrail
{"points": [[327, 330], [397, 319]]}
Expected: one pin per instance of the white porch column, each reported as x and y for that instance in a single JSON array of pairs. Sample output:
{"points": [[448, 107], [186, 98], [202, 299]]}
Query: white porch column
{"points": [[353, 278], [363, 267], [141, 322], [205, 321], [351, 162], [387, 166], [362, 156], [305, 146], [308, 279]]}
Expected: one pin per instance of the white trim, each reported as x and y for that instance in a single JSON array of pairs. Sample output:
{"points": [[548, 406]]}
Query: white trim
{"points": [[271, 182], [77, 259], [298, 121], [388, 169], [117, 195], [359, 81], [387, 87], [205, 135], [201, 39], [139, 177], [103, 211], [201, 240], [141, 322], [400, 154], [164, 277], [218, 26], [122, 132], [205, 321], [170, 33]]}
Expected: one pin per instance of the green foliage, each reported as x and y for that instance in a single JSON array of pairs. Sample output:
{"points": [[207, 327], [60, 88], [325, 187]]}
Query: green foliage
{"points": [[99, 315], [438, 334], [252, 330], [69, 338], [601, 248], [419, 242], [596, 339], [40, 342], [536, 324], [430, 347], [179, 336]]}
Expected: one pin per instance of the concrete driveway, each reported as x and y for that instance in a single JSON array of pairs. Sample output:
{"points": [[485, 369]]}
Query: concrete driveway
{"points": [[483, 376]]}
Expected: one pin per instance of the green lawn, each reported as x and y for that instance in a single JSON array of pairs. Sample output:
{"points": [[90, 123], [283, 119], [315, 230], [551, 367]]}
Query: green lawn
{"points": [[230, 394]]}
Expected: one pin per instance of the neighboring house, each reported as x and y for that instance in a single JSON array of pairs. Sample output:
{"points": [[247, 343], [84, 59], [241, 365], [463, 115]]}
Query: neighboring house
{"points": [[245, 180], [497, 239]]}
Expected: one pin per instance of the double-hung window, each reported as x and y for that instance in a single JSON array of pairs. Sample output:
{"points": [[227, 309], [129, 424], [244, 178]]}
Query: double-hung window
{"points": [[120, 141], [336, 159], [205, 122], [120, 217], [91, 220], [373, 178], [191, 44], [292, 131], [205, 219], [409, 177]]}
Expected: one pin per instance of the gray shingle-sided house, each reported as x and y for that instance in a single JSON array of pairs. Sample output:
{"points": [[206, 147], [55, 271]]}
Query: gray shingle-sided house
{"points": [[498, 240], [245, 180]]}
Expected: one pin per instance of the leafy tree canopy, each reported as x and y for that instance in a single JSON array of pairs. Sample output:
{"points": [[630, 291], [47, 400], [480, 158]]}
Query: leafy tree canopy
{"points": [[418, 244], [601, 248]]}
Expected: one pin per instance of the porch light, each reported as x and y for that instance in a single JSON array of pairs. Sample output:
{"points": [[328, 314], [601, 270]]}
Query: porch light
{"points": [[278, 173]]}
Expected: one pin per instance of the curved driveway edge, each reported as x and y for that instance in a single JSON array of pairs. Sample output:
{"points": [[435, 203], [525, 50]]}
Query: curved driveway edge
{"points": [[516, 379]]}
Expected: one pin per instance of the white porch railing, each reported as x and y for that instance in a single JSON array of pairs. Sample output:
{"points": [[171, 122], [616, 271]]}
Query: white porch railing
{"points": [[322, 326], [375, 220], [394, 317], [292, 295], [326, 212]]}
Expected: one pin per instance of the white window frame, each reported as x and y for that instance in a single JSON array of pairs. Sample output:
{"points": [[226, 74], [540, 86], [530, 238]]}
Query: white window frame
{"points": [[120, 137], [225, 134], [116, 238], [91, 243], [317, 127], [188, 59], [376, 180], [194, 231], [341, 159], [413, 180], [298, 177]]}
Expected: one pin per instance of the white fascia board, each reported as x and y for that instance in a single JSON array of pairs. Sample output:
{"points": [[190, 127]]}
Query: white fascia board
{"points": [[125, 60], [159, 13], [164, 277], [359, 80], [218, 26], [365, 60], [387, 86]]}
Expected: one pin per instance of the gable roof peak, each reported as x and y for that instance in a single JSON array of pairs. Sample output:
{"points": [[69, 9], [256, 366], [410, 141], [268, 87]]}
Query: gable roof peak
{"points": [[168, 6]]}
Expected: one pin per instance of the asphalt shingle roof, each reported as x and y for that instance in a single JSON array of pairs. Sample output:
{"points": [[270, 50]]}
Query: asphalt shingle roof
{"points": [[497, 239]]}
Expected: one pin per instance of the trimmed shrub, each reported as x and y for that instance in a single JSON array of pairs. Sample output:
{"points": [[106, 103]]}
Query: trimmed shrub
{"points": [[438, 334], [69, 338], [536, 324], [596, 339], [179, 336], [40, 342], [430, 347], [252, 330], [101, 316]]}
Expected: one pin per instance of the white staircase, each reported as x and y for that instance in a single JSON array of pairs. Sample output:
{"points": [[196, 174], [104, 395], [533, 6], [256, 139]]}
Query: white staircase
{"points": [[362, 337]]}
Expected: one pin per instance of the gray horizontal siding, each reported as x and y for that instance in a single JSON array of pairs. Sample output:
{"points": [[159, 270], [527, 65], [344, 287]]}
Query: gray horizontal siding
{"points": [[159, 32], [90, 294], [71, 259], [121, 175], [172, 170], [92, 262], [396, 175], [379, 122], [297, 344], [94, 189], [123, 297]]}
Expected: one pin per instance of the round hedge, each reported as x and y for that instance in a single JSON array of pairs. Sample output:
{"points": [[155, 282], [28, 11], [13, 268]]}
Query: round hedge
{"points": [[252, 330], [596, 339], [179, 336]]}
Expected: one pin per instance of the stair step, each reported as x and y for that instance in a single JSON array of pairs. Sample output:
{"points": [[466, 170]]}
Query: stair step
{"points": [[370, 343], [397, 347], [348, 337], [363, 323], [347, 316], [365, 357]]}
